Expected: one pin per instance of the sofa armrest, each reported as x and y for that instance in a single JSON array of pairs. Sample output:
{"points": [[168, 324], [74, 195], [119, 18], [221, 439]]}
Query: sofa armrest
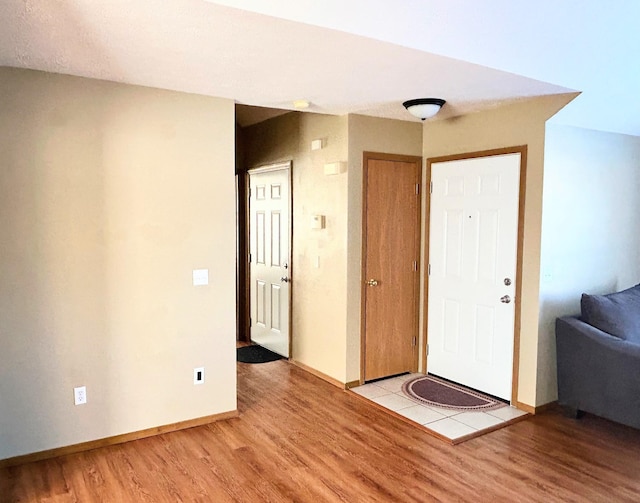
{"points": [[597, 372], [572, 326]]}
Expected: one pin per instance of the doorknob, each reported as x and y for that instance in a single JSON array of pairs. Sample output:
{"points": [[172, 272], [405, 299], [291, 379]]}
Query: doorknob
{"points": [[505, 299], [284, 279], [372, 282]]}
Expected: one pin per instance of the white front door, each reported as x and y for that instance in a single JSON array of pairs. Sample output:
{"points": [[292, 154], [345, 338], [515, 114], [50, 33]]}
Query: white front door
{"points": [[473, 254], [270, 269]]}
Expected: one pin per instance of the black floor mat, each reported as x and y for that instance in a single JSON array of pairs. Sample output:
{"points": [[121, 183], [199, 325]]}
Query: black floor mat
{"points": [[256, 354]]}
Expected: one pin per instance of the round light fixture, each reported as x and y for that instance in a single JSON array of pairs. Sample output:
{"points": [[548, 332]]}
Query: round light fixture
{"points": [[300, 104], [424, 108]]}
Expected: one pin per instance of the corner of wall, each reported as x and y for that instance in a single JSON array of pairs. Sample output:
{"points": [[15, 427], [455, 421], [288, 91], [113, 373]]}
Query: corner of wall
{"points": [[519, 123], [591, 200], [319, 255], [111, 194], [367, 134]]}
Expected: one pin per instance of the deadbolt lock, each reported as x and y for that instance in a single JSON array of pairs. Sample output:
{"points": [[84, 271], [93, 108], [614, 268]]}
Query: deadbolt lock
{"points": [[507, 281]]}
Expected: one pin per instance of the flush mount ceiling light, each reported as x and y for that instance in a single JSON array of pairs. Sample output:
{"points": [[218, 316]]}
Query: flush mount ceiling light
{"points": [[424, 108], [300, 104]]}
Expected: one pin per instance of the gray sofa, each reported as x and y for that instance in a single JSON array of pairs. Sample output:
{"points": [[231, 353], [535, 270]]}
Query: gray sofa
{"points": [[599, 357]]}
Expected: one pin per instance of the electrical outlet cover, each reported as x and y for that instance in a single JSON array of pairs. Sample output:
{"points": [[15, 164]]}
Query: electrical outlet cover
{"points": [[80, 395]]}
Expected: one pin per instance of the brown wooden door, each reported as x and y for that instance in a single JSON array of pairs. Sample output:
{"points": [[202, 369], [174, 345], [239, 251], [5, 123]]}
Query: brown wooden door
{"points": [[391, 245]]}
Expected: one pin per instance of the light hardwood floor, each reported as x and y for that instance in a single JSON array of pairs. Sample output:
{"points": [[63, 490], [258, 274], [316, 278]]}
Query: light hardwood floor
{"points": [[301, 439]]}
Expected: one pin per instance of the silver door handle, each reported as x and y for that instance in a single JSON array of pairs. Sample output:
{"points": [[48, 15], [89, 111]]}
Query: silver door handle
{"points": [[284, 279], [372, 282], [505, 299]]}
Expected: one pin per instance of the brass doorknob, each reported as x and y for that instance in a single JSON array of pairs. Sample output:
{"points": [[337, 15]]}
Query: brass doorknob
{"points": [[372, 282]]}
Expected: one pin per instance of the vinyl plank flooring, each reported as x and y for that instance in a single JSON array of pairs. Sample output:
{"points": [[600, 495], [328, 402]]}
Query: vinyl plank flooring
{"points": [[298, 438]]}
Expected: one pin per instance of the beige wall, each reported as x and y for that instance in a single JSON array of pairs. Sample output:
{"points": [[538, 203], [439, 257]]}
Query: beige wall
{"points": [[590, 229], [326, 300], [319, 293], [368, 134], [521, 123], [109, 196]]}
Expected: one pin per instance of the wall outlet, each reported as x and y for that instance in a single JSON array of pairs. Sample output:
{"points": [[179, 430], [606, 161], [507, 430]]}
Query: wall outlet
{"points": [[80, 395], [198, 375]]}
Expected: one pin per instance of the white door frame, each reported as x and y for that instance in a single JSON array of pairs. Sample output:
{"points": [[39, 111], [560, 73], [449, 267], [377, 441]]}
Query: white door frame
{"points": [[286, 165], [522, 150]]}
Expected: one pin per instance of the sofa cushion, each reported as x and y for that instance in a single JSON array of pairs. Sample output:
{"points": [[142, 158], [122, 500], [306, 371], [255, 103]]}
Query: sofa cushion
{"points": [[616, 313]]}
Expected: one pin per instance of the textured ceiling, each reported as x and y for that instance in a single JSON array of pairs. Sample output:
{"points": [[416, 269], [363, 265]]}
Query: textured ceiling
{"points": [[588, 46], [258, 59]]}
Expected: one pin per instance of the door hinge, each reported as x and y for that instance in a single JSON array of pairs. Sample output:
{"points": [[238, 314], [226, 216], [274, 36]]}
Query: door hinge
{"points": [[431, 187], [413, 341], [417, 189], [429, 270], [415, 266], [249, 193], [427, 349], [250, 322], [249, 257]]}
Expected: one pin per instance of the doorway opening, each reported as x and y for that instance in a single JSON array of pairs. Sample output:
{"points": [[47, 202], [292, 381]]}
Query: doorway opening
{"points": [[474, 254], [246, 116], [390, 265], [270, 272]]}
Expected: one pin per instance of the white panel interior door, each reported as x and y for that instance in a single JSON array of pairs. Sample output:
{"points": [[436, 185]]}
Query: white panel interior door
{"points": [[473, 255], [269, 241]]}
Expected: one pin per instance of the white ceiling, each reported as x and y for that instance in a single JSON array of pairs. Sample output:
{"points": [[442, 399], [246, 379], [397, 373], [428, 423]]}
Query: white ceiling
{"points": [[356, 56]]}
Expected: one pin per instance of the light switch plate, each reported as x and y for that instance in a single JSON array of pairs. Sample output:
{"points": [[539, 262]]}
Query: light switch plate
{"points": [[200, 277], [317, 221], [335, 168]]}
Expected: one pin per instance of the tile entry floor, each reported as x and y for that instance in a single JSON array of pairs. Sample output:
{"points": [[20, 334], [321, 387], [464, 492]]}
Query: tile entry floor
{"points": [[452, 424]]}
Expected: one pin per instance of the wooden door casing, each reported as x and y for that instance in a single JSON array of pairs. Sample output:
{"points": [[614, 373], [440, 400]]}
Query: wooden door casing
{"points": [[522, 151], [391, 248], [473, 235]]}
